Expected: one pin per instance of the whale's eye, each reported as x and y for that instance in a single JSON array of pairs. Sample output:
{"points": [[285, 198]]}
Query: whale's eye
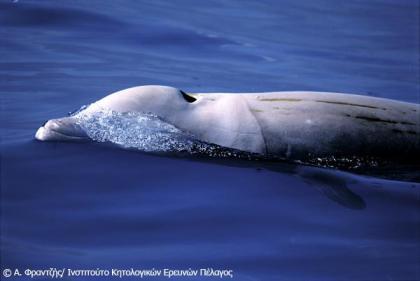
{"points": [[187, 97]]}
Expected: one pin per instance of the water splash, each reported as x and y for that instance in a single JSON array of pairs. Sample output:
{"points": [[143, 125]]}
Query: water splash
{"points": [[143, 131], [147, 132]]}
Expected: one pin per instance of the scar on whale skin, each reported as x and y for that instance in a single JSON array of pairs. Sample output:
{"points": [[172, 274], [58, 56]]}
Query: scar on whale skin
{"points": [[350, 104]]}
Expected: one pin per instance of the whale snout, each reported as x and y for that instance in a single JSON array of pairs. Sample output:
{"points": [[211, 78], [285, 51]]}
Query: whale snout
{"points": [[64, 129]]}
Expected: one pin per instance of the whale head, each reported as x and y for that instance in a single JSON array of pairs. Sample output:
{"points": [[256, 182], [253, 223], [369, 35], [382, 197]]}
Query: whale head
{"points": [[222, 119], [165, 102], [61, 129], [159, 100]]}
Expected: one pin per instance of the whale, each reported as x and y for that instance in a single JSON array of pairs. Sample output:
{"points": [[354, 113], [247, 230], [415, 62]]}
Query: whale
{"points": [[296, 125]]}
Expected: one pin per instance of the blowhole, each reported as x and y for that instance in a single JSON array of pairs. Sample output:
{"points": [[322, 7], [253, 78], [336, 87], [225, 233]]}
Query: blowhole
{"points": [[187, 97]]}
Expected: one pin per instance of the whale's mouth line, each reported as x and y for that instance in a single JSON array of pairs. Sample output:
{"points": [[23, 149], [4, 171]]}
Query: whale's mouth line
{"points": [[61, 133], [49, 133], [64, 136]]}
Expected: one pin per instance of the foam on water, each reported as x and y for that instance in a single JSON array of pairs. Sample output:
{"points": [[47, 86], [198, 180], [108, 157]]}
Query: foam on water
{"points": [[142, 131], [147, 132]]}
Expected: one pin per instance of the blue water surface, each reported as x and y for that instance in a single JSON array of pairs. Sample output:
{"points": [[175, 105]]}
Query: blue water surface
{"points": [[86, 206]]}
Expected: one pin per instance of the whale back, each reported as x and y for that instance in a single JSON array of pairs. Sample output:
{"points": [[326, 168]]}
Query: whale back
{"points": [[298, 124]]}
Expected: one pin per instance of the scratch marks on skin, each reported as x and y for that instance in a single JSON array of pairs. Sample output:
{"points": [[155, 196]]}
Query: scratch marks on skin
{"points": [[393, 122], [375, 119], [402, 132], [351, 104], [322, 101], [361, 117]]}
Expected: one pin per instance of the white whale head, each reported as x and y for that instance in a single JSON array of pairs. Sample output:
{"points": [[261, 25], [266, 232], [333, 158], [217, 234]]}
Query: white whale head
{"points": [[215, 118], [160, 100]]}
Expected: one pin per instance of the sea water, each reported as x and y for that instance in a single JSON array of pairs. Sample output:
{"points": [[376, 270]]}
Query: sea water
{"points": [[89, 206]]}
